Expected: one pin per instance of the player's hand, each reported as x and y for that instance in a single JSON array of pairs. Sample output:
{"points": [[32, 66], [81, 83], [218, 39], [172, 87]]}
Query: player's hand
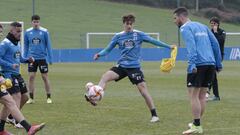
{"points": [[173, 46], [31, 59], [15, 66], [96, 56], [218, 70], [2, 80], [215, 27]]}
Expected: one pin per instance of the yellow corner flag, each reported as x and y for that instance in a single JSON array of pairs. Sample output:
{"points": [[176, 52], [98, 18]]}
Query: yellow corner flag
{"points": [[169, 63]]}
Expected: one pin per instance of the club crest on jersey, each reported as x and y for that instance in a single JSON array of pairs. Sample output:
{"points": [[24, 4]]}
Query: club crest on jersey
{"points": [[36, 41], [129, 43], [17, 55], [135, 36]]}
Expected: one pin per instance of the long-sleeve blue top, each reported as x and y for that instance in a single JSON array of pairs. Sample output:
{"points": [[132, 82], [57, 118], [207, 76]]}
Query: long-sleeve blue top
{"points": [[201, 44], [37, 44], [10, 54], [130, 44]]}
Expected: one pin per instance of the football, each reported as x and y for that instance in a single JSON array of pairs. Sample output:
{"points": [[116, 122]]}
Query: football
{"points": [[94, 92]]}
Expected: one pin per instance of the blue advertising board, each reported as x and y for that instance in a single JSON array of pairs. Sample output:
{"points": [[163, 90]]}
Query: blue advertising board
{"points": [[148, 54]]}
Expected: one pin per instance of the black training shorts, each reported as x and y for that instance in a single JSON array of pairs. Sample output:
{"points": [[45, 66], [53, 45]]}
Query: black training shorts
{"points": [[203, 77], [18, 85], [42, 64], [135, 75]]}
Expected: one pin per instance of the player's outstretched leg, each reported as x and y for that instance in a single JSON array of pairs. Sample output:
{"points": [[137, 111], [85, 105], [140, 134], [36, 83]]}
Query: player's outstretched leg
{"points": [[11, 107], [35, 128], [106, 77], [149, 101]]}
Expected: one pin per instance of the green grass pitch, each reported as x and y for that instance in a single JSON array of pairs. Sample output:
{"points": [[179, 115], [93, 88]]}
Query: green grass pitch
{"points": [[122, 110]]}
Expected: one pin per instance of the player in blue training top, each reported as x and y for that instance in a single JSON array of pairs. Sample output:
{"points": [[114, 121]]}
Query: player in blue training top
{"points": [[129, 42], [38, 45], [10, 58], [204, 58]]}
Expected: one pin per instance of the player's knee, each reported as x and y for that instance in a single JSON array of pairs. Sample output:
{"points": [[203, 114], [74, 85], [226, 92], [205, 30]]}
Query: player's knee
{"points": [[202, 97], [31, 77], [16, 96], [45, 77], [141, 86], [142, 89], [24, 98], [10, 103]]}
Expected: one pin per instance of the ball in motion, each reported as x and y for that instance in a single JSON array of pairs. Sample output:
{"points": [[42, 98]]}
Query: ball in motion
{"points": [[94, 92], [88, 85]]}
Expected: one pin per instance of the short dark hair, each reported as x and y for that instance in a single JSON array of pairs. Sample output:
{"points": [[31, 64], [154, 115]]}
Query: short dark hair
{"points": [[35, 17], [215, 19], [16, 24], [128, 17], [1, 26], [181, 11]]}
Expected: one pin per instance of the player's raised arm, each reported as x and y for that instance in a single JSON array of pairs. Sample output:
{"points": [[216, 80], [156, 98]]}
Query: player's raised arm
{"points": [[149, 39], [108, 49]]}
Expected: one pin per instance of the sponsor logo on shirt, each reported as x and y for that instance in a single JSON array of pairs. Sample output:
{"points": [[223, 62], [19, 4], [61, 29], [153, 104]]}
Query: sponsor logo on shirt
{"points": [[128, 43], [201, 34], [36, 41], [17, 55]]}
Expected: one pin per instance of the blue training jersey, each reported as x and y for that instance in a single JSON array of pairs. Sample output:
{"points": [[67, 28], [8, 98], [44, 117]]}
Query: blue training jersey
{"points": [[202, 46], [37, 44], [130, 44], [10, 54]]}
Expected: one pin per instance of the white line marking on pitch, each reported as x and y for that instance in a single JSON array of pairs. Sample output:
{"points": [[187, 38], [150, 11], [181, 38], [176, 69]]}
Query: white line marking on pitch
{"points": [[212, 129], [115, 107]]}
